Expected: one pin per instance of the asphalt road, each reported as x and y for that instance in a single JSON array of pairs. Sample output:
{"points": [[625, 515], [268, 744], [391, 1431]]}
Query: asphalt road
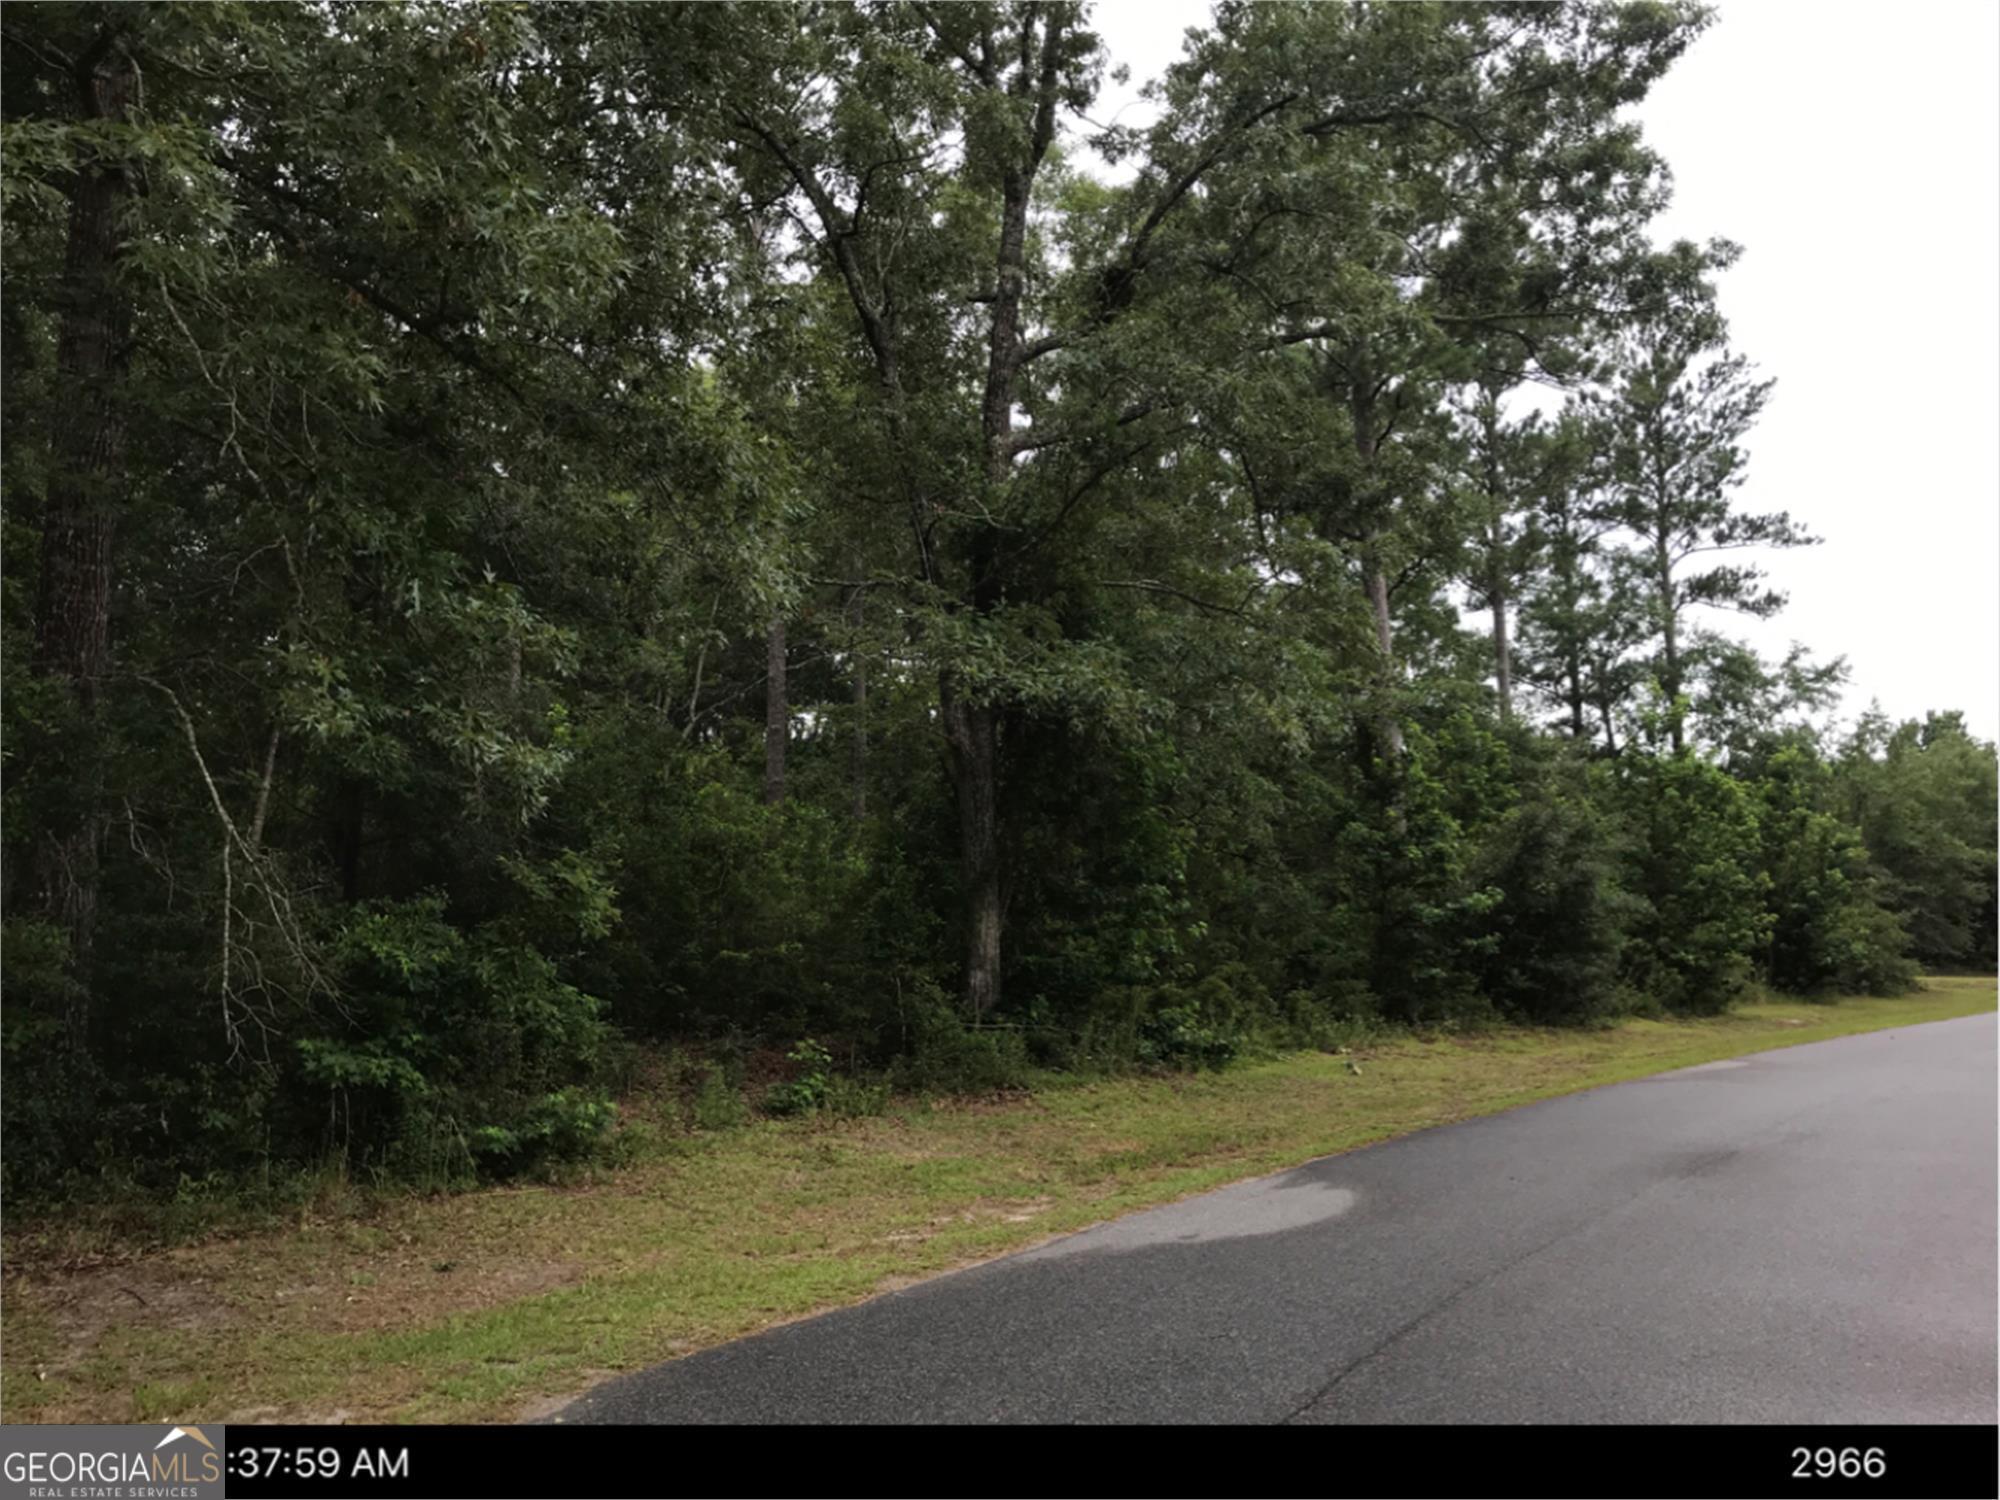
{"points": [[1804, 1235]]}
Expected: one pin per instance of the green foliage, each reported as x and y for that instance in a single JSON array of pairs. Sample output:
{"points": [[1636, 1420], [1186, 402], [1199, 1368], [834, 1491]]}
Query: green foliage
{"points": [[794, 556], [1184, 1035], [812, 1081], [816, 1088], [1829, 932], [946, 1056], [1694, 863], [1559, 929], [849, 1098], [465, 1038], [566, 1123], [718, 1103], [1411, 850], [1922, 796]]}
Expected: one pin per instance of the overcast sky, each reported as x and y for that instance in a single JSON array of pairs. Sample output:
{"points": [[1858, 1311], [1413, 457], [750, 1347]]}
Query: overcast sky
{"points": [[1854, 151]]}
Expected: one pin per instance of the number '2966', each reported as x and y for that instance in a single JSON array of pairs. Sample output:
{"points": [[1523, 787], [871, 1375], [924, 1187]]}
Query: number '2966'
{"points": [[1848, 1463]]}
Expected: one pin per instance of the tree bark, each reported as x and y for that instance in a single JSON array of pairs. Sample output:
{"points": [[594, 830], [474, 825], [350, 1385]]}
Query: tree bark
{"points": [[1670, 675], [86, 484], [1564, 565], [1497, 580], [255, 838], [1387, 726], [1388, 729], [777, 713], [973, 734]]}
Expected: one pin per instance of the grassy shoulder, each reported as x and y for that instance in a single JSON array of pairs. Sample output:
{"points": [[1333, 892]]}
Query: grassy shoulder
{"points": [[489, 1305]]}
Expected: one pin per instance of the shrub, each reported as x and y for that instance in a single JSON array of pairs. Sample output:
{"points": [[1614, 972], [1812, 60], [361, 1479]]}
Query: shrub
{"points": [[1693, 858], [853, 1098], [1557, 931], [948, 1057], [455, 1049], [808, 1091], [718, 1103], [1829, 932], [559, 1126], [1179, 1037]]}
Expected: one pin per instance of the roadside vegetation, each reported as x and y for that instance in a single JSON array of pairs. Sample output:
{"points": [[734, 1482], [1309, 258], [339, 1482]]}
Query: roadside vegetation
{"points": [[499, 1303]]}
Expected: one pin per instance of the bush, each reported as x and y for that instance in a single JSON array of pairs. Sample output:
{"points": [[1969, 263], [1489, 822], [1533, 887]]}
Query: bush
{"points": [[818, 1089], [1179, 1037], [1556, 934], [1694, 859], [563, 1125], [1829, 933], [456, 1050], [948, 1057], [808, 1091], [1407, 863], [718, 1103], [853, 1098], [1207, 1024]]}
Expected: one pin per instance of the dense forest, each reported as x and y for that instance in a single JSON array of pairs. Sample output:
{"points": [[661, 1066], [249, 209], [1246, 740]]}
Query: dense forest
{"points": [[536, 532]]}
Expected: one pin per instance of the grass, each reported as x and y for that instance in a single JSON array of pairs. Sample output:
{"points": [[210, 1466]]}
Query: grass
{"points": [[491, 1305]]}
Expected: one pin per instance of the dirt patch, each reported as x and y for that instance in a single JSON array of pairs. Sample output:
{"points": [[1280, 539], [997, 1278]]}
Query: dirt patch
{"points": [[80, 1306], [543, 1408], [407, 1294], [212, 1287], [1021, 1210], [986, 1211]]}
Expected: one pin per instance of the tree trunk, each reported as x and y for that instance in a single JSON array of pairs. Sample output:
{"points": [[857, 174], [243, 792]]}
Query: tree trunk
{"points": [[1564, 566], [972, 730], [1495, 541], [777, 713], [86, 483], [1388, 729], [263, 808], [1387, 726], [858, 745], [1670, 677], [1670, 683]]}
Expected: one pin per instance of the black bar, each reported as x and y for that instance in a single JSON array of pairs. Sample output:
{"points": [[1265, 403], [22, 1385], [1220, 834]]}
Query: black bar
{"points": [[499, 1463]]}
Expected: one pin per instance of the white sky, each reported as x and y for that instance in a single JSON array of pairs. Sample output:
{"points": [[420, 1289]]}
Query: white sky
{"points": [[1854, 151]]}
